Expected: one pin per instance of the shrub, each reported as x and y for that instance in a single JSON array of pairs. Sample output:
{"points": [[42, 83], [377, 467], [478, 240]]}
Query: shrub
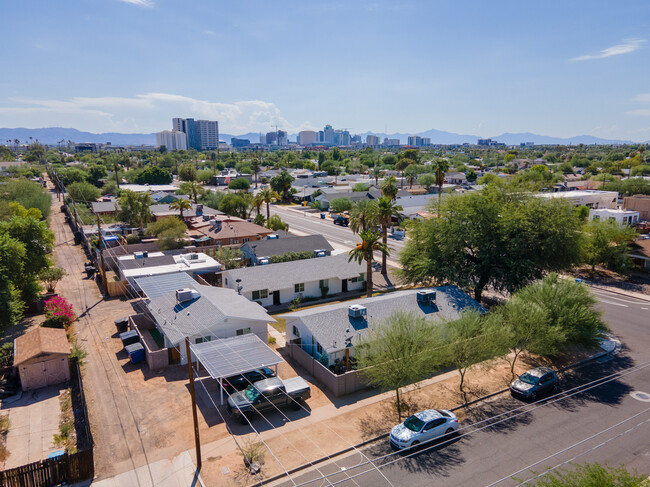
{"points": [[239, 183], [272, 340], [253, 451], [59, 313], [83, 191], [7, 355], [51, 276], [79, 353]]}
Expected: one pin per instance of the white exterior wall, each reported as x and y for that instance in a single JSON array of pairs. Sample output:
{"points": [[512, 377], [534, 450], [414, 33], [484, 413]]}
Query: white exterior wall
{"points": [[621, 217]]}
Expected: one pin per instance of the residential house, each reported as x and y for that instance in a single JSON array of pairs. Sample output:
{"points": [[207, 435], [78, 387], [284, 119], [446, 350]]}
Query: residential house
{"points": [[588, 197], [140, 264], [622, 217], [456, 178], [163, 210], [281, 243], [161, 197], [149, 188], [232, 232], [202, 313], [640, 203], [326, 198], [276, 284], [110, 207], [326, 332], [640, 253]]}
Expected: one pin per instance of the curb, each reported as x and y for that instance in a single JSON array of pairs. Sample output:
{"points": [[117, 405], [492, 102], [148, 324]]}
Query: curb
{"points": [[616, 291], [385, 435]]}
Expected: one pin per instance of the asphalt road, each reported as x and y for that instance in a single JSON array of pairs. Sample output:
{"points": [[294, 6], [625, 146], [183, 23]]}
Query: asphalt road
{"points": [[518, 446]]}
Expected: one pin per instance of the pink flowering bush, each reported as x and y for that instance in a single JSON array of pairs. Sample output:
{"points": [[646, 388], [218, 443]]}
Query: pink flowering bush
{"points": [[59, 313]]}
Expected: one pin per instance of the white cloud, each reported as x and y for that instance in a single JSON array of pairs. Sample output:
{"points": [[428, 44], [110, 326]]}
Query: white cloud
{"points": [[149, 112], [139, 3], [628, 45], [644, 112]]}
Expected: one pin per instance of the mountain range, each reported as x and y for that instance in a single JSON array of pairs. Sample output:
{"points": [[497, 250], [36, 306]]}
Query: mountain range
{"points": [[55, 135]]}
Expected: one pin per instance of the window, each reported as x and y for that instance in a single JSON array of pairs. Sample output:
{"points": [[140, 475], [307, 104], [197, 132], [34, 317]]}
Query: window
{"points": [[296, 332], [226, 281], [243, 331], [246, 240], [234, 241], [203, 339], [324, 283], [261, 294], [299, 288], [319, 349], [359, 278]]}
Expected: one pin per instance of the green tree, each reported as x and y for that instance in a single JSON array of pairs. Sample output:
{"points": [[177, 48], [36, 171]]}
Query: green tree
{"points": [[193, 189], [427, 180], [268, 196], [239, 184], [281, 184], [275, 223], [471, 176], [389, 187], [83, 192], [96, 172], [181, 205], [134, 208], [153, 175], [339, 205], [50, 276], [228, 257], [608, 243], [71, 175], [395, 353], [440, 168], [12, 257], [365, 251], [169, 230], [493, 237], [187, 172], [360, 187], [411, 173], [363, 215], [592, 475], [234, 204], [386, 210], [28, 194]]}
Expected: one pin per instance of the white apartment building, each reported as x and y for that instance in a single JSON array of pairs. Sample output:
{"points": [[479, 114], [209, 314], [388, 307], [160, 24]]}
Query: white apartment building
{"points": [[171, 139]]}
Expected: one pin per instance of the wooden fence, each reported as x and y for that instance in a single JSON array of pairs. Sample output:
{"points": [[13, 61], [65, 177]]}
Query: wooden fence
{"points": [[67, 469]]}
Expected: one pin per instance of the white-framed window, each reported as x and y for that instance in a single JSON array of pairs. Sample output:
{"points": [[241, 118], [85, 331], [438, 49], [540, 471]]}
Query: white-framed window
{"points": [[203, 339], [243, 331], [261, 294], [234, 241], [299, 288], [324, 283], [296, 332]]}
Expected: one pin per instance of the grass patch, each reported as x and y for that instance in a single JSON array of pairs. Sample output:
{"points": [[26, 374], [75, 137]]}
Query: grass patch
{"points": [[66, 437], [280, 325]]}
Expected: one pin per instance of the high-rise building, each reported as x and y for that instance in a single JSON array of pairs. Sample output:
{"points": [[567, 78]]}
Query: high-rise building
{"points": [[306, 137], [372, 140], [391, 142], [415, 140], [172, 140], [328, 135], [426, 140], [200, 134], [282, 138], [271, 138], [355, 139]]}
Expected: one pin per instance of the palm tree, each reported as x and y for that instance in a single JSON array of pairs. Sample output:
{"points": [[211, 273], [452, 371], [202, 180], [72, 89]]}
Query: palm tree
{"points": [[377, 173], [365, 250], [386, 209], [440, 167], [180, 205], [363, 216], [258, 201], [256, 168], [192, 188], [389, 187], [268, 196]]}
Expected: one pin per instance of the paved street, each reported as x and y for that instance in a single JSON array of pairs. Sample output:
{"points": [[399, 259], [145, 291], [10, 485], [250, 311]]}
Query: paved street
{"points": [[494, 455]]}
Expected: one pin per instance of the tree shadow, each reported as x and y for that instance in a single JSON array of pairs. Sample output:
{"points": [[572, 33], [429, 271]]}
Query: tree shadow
{"points": [[485, 416]]}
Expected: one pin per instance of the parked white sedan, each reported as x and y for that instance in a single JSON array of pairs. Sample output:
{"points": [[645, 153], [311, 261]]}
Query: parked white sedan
{"points": [[422, 427]]}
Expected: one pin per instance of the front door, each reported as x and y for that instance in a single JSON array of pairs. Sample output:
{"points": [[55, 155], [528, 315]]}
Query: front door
{"points": [[276, 298], [344, 286]]}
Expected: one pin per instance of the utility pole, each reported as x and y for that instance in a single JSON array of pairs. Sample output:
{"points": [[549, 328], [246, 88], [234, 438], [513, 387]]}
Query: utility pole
{"points": [[197, 441], [101, 253]]}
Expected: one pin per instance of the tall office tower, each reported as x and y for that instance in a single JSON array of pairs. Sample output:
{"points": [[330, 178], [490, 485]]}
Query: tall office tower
{"points": [[208, 132], [372, 140], [426, 140], [172, 140], [391, 142], [320, 137], [271, 138], [282, 138], [307, 137], [341, 137], [415, 140], [355, 139], [187, 126], [328, 135]]}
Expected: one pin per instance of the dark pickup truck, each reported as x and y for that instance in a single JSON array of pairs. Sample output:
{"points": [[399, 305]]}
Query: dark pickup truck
{"points": [[267, 395], [341, 220]]}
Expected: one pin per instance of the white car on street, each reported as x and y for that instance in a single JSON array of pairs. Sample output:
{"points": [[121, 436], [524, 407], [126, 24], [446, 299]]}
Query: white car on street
{"points": [[423, 427]]}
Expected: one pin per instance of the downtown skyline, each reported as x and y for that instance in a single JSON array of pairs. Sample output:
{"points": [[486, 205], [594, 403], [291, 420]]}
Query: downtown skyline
{"points": [[128, 66]]}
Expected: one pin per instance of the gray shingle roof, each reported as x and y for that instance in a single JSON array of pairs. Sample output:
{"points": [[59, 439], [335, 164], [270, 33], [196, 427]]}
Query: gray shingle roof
{"points": [[292, 243], [146, 262], [156, 286], [285, 274], [105, 206], [203, 315], [330, 325]]}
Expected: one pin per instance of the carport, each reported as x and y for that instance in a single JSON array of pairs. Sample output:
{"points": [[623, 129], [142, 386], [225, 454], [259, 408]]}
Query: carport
{"points": [[233, 356]]}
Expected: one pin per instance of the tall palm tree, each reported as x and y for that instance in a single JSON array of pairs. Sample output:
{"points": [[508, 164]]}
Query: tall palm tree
{"points": [[180, 205], [365, 250], [377, 173], [192, 188], [440, 167], [268, 196], [258, 201], [389, 187], [256, 168], [363, 216], [386, 209]]}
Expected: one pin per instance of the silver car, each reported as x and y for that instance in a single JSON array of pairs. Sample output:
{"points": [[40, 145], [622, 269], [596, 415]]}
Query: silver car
{"points": [[423, 427]]}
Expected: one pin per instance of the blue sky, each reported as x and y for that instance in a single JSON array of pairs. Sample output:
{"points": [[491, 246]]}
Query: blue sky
{"points": [[559, 68]]}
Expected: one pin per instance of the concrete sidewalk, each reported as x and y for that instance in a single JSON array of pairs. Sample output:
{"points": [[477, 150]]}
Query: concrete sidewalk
{"points": [[178, 472]]}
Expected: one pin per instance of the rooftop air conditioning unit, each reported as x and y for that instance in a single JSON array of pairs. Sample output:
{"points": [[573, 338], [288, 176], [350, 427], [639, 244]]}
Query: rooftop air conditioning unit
{"points": [[186, 294], [426, 297], [357, 311], [138, 255], [320, 253], [273, 236], [192, 256], [263, 260]]}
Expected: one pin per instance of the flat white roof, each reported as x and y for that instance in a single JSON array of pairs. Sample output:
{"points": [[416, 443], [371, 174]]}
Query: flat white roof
{"points": [[202, 263]]}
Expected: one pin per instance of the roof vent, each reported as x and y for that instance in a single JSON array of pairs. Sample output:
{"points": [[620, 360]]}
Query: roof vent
{"points": [[186, 294], [426, 297], [357, 311], [320, 253]]}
